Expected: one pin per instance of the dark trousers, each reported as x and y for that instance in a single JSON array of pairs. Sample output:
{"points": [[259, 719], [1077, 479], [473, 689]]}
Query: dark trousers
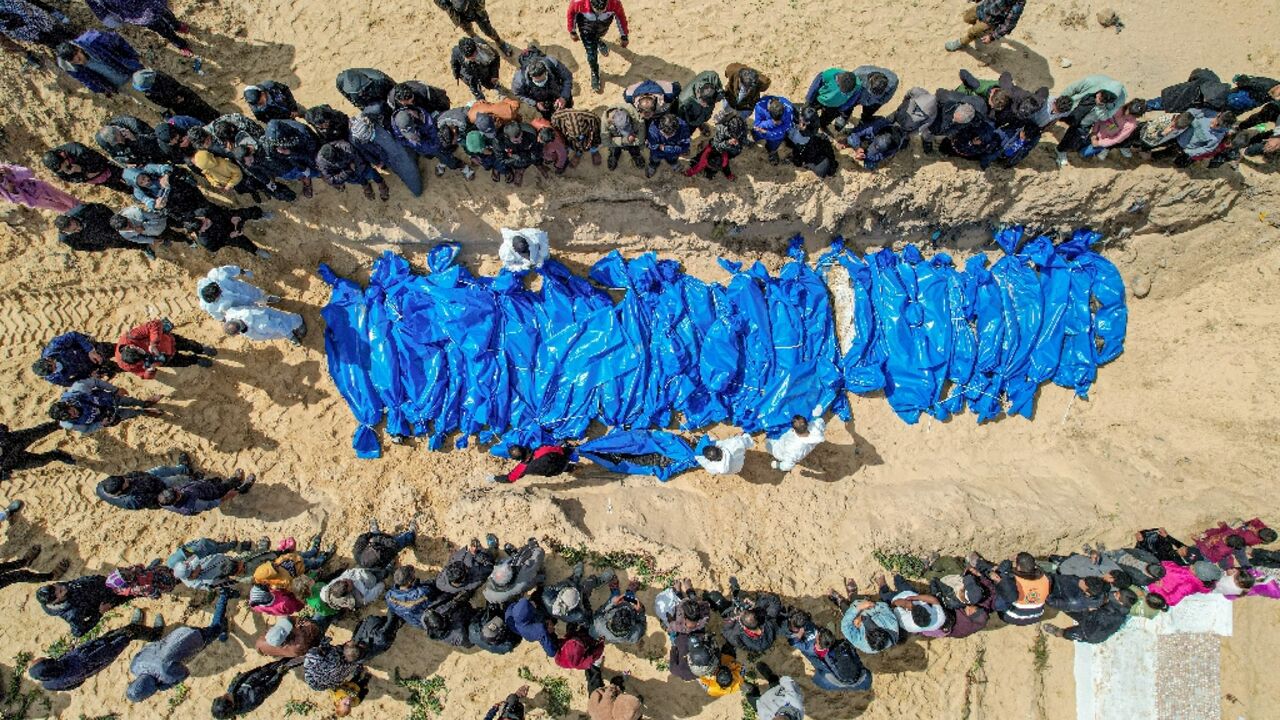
{"points": [[116, 181], [826, 115], [633, 150], [480, 18], [591, 44], [16, 456], [166, 26], [186, 352], [15, 571], [752, 691], [1265, 558], [900, 585]]}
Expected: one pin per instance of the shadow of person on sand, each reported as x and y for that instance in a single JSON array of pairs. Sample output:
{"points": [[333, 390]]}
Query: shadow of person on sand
{"points": [[267, 502]]}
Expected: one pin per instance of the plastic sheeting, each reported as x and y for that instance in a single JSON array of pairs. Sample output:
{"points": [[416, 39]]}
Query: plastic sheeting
{"points": [[641, 452], [453, 354]]}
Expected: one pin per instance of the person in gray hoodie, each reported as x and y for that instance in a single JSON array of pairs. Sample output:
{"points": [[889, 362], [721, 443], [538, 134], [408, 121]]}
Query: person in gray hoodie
{"points": [[918, 110], [878, 87], [162, 664], [512, 576]]}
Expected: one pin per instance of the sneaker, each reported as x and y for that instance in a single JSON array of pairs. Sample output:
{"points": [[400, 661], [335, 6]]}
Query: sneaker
{"points": [[1102, 155], [469, 172], [13, 507], [507, 49], [247, 485], [268, 215], [613, 161], [158, 622], [61, 568], [137, 617], [263, 254], [1061, 160], [637, 160], [184, 460], [603, 47], [209, 350], [373, 525], [491, 541], [773, 158], [441, 168], [384, 192], [413, 525], [368, 192], [651, 170], [595, 159], [1126, 153], [204, 362], [953, 45], [596, 87], [509, 549], [151, 254]]}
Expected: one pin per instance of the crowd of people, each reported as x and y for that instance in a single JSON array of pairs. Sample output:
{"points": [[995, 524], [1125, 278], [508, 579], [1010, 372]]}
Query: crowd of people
{"points": [[485, 596]]}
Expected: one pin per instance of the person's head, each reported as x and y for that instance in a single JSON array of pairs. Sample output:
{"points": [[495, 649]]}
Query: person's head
{"points": [[647, 104], [1093, 586], [244, 154], [799, 621], [878, 638], [724, 676], [520, 244], [70, 53], [707, 94], [1235, 542], [1062, 104], [1121, 579], [701, 659], [539, 73], [255, 97], [847, 82], [713, 453], [404, 576], [447, 134], [502, 576], [1183, 120], [622, 620], [455, 573], [51, 594], [468, 47], [476, 144], [694, 609], [750, 619], [224, 707], [878, 83], [512, 132], [668, 125], [132, 355], [114, 484], [44, 367], [235, 327], [144, 180], [775, 108], [599, 5], [1024, 565], [119, 222], [62, 411], [963, 114], [200, 137], [1125, 597], [341, 588], [142, 687], [52, 159], [800, 424], [787, 713], [66, 224], [546, 135], [519, 453], [1136, 107], [1243, 580], [748, 79], [403, 94], [824, 640], [808, 118], [1156, 601], [211, 292], [920, 615], [1267, 535], [352, 651], [1224, 119], [1105, 97], [168, 497], [566, 601]]}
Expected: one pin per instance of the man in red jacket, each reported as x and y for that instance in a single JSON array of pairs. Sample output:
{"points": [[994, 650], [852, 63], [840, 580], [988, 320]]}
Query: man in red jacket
{"points": [[153, 344], [546, 461], [590, 20]]}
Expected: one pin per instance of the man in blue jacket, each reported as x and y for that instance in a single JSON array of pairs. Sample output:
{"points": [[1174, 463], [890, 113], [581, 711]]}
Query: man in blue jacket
{"points": [[528, 621], [102, 61], [668, 139], [75, 356]]}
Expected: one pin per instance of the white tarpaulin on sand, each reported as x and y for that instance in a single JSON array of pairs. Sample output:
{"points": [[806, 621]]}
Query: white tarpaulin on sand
{"points": [[1117, 680]]}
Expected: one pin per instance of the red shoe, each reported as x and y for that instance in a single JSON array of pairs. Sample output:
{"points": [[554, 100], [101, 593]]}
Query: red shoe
{"points": [[184, 29], [186, 52]]}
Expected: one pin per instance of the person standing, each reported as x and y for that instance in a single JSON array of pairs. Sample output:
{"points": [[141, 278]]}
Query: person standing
{"points": [[697, 103], [143, 227], [172, 96], [21, 186], [465, 13], [744, 87], [340, 164], [216, 227], [87, 227], [153, 15], [590, 20], [103, 62], [202, 494], [75, 162], [475, 63], [798, 441], [92, 404], [623, 130], [546, 84], [834, 93], [15, 456], [724, 457], [781, 700], [772, 119], [581, 131], [143, 349], [988, 21], [270, 100], [668, 138]]}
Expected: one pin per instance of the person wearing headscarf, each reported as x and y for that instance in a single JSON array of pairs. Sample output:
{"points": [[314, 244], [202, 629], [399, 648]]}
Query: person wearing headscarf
{"points": [[102, 61], [271, 100], [466, 13], [153, 15], [293, 146], [590, 20], [652, 98], [379, 145], [623, 131], [20, 185], [417, 94], [33, 22], [744, 87], [366, 88], [172, 96], [75, 162], [475, 63]]}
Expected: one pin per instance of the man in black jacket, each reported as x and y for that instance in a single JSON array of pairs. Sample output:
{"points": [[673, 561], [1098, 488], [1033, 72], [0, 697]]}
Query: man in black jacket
{"points": [[87, 228], [475, 63], [1095, 626], [75, 162], [250, 689], [271, 100], [216, 227], [172, 96], [836, 665], [81, 602], [465, 13]]}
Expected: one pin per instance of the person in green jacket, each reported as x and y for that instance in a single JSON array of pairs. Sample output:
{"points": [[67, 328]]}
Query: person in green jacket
{"points": [[698, 100], [834, 93]]}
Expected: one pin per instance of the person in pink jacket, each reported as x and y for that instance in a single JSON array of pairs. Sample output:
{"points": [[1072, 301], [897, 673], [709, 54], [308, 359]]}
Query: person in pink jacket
{"points": [[589, 20], [1117, 131], [19, 185], [1181, 582]]}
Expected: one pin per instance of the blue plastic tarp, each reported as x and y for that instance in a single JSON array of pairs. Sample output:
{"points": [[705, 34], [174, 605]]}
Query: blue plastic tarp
{"points": [[639, 345], [641, 452]]}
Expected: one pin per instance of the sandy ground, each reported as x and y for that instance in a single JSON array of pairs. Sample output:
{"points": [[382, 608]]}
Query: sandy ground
{"points": [[1180, 431]]}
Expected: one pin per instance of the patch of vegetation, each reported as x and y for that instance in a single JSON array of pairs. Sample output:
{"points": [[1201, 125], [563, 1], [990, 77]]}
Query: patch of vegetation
{"points": [[748, 712], [659, 662], [426, 696], [299, 707], [642, 564], [179, 696], [66, 643], [904, 564], [559, 696], [1040, 652], [15, 703]]}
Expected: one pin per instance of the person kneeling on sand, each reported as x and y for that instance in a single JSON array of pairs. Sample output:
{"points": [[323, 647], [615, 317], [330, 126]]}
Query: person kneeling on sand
{"points": [[796, 443], [725, 457], [546, 461]]}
